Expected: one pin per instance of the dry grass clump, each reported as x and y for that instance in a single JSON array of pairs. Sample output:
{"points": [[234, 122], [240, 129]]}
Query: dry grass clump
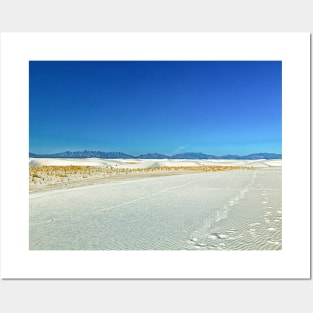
{"points": [[49, 176], [57, 171], [215, 168], [46, 172]]}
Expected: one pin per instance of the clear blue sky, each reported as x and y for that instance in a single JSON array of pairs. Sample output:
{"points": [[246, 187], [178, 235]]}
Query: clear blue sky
{"points": [[213, 107]]}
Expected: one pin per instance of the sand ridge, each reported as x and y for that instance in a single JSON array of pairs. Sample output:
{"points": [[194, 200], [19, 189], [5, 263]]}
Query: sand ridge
{"points": [[48, 177], [148, 163]]}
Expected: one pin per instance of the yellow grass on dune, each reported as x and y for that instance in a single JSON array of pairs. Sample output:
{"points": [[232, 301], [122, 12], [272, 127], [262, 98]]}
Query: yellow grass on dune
{"points": [[42, 177], [67, 171], [215, 168]]}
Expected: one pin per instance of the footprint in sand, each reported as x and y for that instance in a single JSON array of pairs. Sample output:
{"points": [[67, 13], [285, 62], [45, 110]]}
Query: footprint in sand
{"points": [[216, 247], [194, 239], [201, 244], [221, 236], [273, 242], [212, 236], [232, 231], [254, 224], [51, 220]]}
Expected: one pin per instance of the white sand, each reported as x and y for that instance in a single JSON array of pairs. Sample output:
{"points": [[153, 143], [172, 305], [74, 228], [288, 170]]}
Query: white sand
{"points": [[232, 210], [106, 170], [149, 163]]}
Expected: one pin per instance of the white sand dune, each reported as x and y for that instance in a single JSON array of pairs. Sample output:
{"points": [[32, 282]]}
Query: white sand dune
{"points": [[230, 210], [48, 173], [69, 162], [147, 163]]}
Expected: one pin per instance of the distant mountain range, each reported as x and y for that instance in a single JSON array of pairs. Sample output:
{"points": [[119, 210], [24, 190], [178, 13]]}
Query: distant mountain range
{"points": [[187, 155]]}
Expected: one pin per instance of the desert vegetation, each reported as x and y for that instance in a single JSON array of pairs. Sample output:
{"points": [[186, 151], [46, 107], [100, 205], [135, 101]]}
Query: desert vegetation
{"points": [[41, 177]]}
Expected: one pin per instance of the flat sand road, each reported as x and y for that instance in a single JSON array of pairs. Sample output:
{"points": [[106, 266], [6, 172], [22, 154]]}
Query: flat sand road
{"points": [[231, 210]]}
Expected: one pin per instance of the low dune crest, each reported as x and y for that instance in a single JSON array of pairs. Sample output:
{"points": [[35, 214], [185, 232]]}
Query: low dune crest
{"points": [[55, 177], [147, 163], [51, 173]]}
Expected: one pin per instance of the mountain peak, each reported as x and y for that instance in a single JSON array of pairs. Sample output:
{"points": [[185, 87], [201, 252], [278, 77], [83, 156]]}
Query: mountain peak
{"points": [[155, 155]]}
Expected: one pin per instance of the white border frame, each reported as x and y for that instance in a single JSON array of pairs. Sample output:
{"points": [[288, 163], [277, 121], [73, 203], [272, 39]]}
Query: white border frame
{"points": [[293, 261]]}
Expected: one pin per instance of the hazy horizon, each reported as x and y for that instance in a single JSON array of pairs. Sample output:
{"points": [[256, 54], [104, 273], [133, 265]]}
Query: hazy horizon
{"points": [[167, 107]]}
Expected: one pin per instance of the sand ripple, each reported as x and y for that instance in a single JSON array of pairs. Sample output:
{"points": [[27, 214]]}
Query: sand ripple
{"points": [[205, 211], [249, 222]]}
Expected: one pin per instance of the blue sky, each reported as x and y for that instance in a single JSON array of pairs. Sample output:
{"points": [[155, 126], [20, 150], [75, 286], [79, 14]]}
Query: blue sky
{"points": [[213, 107]]}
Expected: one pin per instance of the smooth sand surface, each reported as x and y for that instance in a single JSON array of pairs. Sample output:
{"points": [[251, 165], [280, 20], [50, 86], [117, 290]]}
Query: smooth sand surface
{"points": [[224, 210]]}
